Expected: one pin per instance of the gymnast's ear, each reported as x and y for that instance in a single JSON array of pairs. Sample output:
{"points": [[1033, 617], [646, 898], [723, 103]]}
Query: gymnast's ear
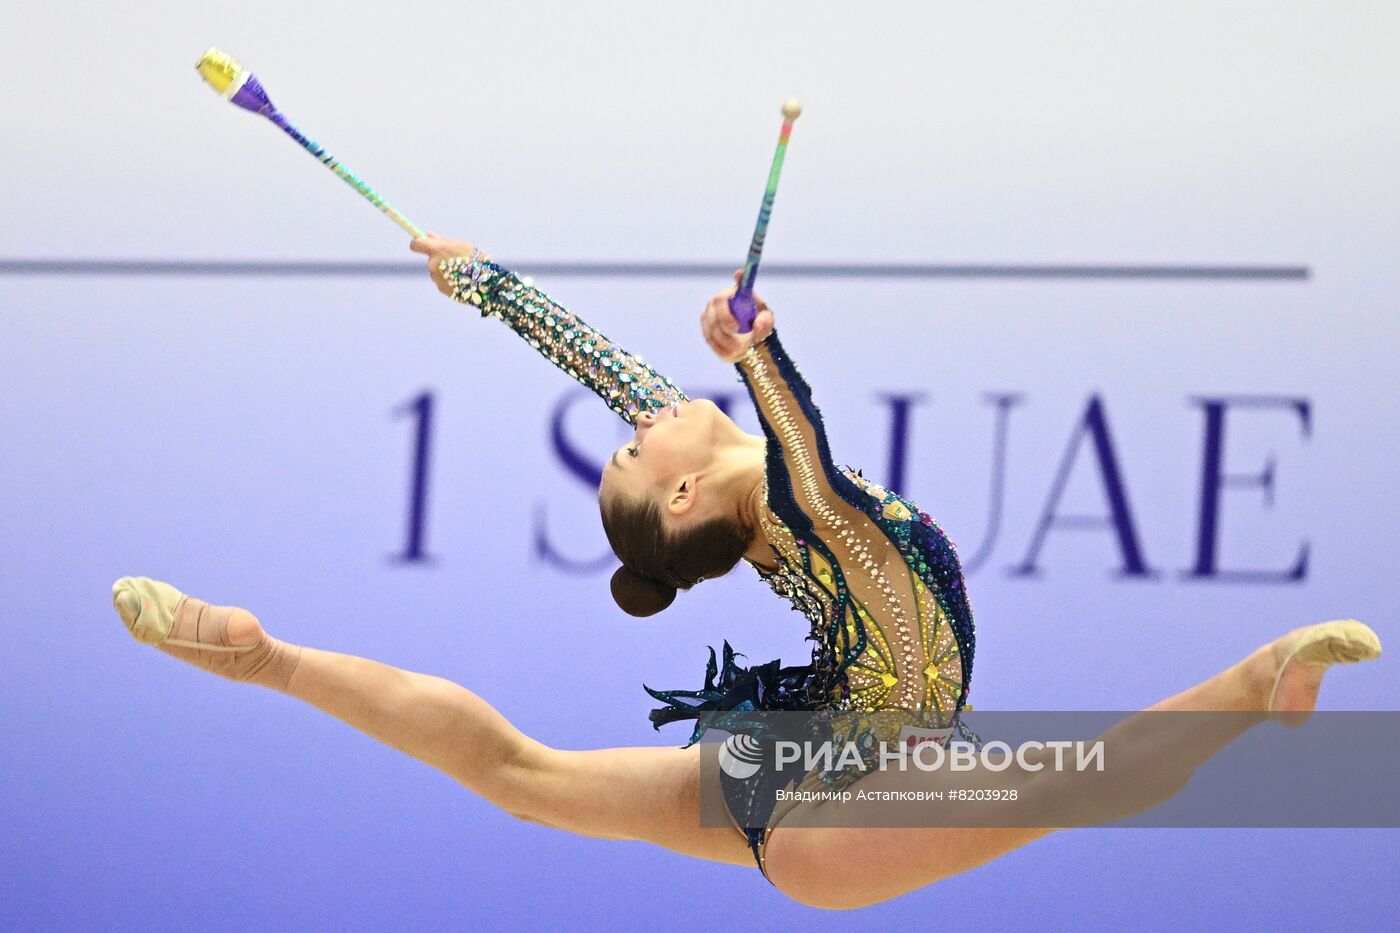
{"points": [[682, 497]]}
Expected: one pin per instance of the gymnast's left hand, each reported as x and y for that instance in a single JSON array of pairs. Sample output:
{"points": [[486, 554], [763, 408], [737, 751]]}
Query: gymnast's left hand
{"points": [[722, 331], [438, 248]]}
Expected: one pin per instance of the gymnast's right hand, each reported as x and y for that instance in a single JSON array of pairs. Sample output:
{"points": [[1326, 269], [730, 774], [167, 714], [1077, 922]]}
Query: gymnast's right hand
{"points": [[721, 330], [438, 248]]}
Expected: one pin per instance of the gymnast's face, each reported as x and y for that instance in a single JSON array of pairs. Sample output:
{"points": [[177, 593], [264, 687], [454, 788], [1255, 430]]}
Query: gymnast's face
{"points": [[667, 458]]}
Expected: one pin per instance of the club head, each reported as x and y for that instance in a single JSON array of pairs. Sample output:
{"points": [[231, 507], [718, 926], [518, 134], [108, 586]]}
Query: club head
{"points": [[233, 82]]}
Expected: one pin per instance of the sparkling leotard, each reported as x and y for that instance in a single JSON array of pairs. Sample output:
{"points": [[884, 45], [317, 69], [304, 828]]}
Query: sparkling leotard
{"points": [[876, 578]]}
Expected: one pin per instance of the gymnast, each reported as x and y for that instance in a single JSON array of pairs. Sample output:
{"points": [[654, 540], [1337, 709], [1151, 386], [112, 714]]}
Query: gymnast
{"points": [[686, 500]]}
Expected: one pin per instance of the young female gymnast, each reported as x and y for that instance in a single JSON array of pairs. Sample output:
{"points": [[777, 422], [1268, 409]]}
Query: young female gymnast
{"points": [[687, 499], [692, 495]]}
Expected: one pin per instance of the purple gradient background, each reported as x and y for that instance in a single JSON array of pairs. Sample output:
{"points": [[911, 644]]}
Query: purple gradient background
{"points": [[236, 436]]}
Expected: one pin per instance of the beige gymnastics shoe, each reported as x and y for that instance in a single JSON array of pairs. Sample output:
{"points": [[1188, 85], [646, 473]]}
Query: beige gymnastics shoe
{"points": [[1308, 655], [223, 640], [148, 608]]}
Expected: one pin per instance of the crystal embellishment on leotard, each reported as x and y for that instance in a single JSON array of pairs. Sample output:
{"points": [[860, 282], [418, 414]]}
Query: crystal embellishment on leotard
{"points": [[889, 618], [881, 588], [622, 380], [468, 276], [852, 540]]}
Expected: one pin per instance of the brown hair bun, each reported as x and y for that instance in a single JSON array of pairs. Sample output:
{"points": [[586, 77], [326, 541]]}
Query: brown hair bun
{"points": [[640, 596]]}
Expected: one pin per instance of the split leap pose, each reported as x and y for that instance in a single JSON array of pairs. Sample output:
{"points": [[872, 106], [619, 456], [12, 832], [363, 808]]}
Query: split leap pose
{"points": [[687, 499]]}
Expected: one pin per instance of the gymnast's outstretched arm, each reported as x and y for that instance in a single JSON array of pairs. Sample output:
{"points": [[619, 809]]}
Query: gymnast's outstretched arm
{"points": [[623, 381], [911, 656]]}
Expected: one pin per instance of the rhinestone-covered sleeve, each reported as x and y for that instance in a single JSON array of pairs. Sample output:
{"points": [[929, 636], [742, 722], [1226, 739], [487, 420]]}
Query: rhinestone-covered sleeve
{"points": [[797, 443], [625, 382], [835, 525]]}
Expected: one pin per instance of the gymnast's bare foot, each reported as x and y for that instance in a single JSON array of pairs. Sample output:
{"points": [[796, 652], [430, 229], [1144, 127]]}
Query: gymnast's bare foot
{"points": [[223, 640], [1286, 674]]}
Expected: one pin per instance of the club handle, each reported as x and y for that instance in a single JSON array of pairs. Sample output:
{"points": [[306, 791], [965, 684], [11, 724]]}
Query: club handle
{"points": [[744, 309]]}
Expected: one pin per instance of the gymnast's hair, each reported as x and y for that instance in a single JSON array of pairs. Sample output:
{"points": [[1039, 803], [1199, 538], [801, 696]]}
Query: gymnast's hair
{"points": [[655, 563]]}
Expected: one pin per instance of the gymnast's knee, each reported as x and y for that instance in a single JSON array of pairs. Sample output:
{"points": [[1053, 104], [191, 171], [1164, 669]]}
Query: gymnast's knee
{"points": [[517, 781]]}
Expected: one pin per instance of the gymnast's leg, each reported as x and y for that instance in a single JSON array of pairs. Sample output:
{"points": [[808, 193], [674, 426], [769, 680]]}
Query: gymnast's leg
{"points": [[649, 794], [1153, 757]]}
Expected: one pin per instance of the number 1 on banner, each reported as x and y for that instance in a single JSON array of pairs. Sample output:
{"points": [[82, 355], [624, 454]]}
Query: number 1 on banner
{"points": [[422, 407]]}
